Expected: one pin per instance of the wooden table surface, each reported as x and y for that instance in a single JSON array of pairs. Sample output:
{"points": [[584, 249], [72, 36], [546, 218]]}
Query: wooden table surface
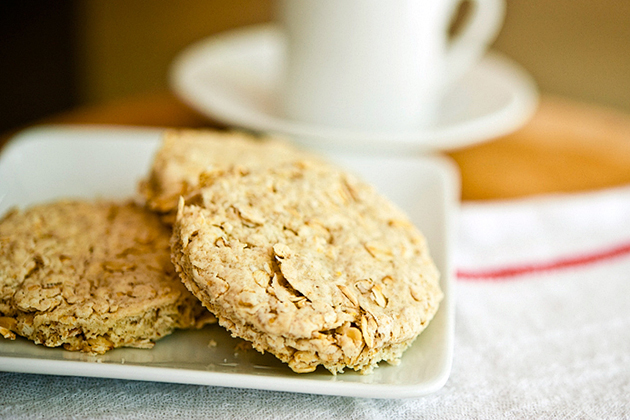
{"points": [[566, 147]]}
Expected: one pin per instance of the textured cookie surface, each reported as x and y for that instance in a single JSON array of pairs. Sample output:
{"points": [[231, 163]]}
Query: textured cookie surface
{"points": [[308, 263], [184, 154], [90, 277]]}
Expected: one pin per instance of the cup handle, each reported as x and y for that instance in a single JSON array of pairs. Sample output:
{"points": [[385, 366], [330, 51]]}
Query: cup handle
{"points": [[472, 42]]}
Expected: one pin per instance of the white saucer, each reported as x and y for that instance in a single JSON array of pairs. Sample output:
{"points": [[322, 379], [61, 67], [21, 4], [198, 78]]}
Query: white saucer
{"points": [[234, 78]]}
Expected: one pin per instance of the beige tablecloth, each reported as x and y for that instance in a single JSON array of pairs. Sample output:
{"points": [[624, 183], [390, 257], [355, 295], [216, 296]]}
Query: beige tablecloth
{"points": [[542, 331]]}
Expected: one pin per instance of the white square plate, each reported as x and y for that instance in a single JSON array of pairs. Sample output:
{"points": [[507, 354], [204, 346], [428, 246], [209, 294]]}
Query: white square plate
{"points": [[49, 163]]}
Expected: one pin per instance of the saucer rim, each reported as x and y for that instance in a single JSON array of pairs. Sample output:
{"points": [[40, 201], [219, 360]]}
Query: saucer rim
{"points": [[521, 86]]}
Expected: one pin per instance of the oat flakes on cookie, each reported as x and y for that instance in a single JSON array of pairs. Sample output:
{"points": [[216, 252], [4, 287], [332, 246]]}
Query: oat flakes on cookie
{"points": [[308, 263], [186, 153], [91, 277]]}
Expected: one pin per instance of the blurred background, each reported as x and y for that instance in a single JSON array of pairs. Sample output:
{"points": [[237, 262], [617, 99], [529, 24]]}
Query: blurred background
{"points": [[58, 55]]}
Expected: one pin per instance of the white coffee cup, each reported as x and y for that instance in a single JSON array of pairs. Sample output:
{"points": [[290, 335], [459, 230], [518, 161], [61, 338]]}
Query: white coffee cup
{"points": [[379, 65]]}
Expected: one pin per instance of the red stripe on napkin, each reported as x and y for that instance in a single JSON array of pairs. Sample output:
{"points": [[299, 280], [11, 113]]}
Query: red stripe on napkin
{"points": [[567, 262]]}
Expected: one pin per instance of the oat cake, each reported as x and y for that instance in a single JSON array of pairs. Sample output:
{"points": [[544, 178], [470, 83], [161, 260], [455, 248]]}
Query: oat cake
{"points": [[185, 153], [90, 276], [306, 262]]}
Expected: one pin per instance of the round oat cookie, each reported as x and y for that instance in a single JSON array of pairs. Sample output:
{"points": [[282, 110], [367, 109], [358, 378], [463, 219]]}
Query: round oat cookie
{"points": [[308, 263], [186, 153], [91, 277]]}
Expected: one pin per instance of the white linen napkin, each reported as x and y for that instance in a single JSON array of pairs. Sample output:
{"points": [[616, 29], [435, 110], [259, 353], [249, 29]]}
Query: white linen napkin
{"points": [[542, 331]]}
